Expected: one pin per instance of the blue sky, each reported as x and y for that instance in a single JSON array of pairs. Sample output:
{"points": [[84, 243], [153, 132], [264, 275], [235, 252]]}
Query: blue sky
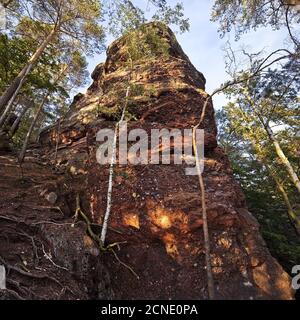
{"points": [[203, 44]]}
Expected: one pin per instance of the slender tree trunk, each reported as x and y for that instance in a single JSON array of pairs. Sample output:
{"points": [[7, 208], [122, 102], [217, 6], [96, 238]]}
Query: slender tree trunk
{"points": [[285, 161], [57, 139], [210, 279], [38, 112], [12, 91], [10, 104], [16, 124], [7, 119], [111, 173], [295, 220], [40, 128]]}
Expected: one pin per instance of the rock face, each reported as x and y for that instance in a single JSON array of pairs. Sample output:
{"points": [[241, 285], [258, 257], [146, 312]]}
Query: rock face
{"points": [[156, 209]]}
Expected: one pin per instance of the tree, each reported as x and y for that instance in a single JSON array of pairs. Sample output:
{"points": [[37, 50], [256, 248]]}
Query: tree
{"points": [[14, 128], [270, 196], [243, 16], [71, 74], [14, 52], [69, 22], [6, 3], [270, 99], [124, 16], [267, 100]]}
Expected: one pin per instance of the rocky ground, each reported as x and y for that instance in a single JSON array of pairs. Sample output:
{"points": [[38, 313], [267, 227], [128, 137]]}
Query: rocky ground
{"points": [[45, 257]]}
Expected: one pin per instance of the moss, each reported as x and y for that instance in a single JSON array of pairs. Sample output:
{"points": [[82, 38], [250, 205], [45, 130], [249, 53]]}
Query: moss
{"points": [[123, 174], [152, 91], [136, 90], [112, 113], [203, 93]]}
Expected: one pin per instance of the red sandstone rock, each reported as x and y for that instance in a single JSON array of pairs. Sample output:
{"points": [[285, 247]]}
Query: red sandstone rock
{"points": [[157, 208]]}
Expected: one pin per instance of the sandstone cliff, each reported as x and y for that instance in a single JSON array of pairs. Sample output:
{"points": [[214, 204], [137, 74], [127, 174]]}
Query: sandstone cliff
{"points": [[156, 209]]}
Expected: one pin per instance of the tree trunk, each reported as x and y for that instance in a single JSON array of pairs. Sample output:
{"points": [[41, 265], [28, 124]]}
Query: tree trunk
{"points": [[40, 128], [295, 220], [285, 161], [210, 279], [12, 91], [111, 173], [16, 124], [25, 144], [10, 104], [57, 138], [7, 119]]}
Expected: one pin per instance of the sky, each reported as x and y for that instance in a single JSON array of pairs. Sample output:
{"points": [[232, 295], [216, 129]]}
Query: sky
{"points": [[204, 46]]}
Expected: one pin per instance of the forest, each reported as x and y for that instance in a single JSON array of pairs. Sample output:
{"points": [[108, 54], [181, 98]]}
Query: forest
{"points": [[48, 141]]}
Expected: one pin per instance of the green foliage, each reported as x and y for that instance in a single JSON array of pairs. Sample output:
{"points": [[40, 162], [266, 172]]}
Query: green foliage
{"points": [[286, 249], [80, 21], [269, 99], [263, 198], [55, 73], [114, 113], [123, 174], [146, 43], [141, 41], [124, 16], [171, 16], [109, 113], [245, 15]]}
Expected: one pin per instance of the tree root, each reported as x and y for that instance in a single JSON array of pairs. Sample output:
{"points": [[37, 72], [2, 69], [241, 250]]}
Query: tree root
{"points": [[14, 294], [10, 219], [97, 239], [34, 246], [27, 274], [91, 233], [48, 256], [23, 290], [124, 264], [14, 231]]}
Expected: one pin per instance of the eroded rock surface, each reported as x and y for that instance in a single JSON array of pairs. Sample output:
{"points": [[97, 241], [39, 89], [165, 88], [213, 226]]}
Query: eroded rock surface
{"points": [[156, 209]]}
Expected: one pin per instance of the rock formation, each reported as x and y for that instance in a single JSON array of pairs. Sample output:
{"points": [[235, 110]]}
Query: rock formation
{"points": [[156, 209]]}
